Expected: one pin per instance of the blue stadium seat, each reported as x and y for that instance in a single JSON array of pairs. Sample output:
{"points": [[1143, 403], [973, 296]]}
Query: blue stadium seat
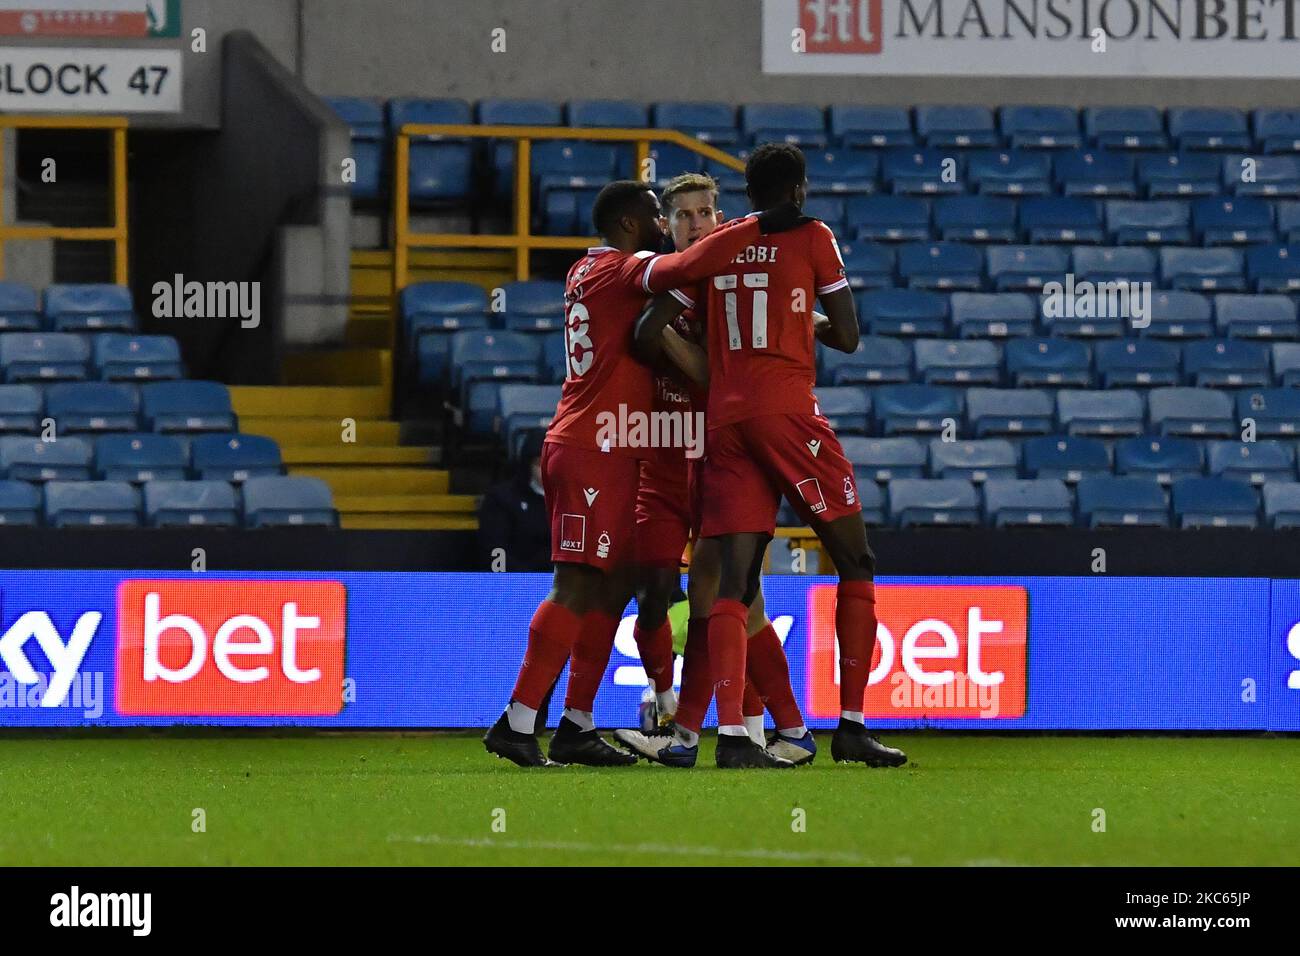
{"points": [[877, 360], [1286, 364], [1012, 502], [895, 218], [1153, 222], [1069, 458], [432, 312], [1026, 268], [365, 119], [1218, 270], [524, 410], [535, 305], [804, 126], [1282, 504], [1220, 222], [1126, 363], [1214, 363], [1275, 411], [1178, 175], [91, 504], [624, 114], [711, 122], [976, 460], [19, 309], [903, 312], [234, 457], [1061, 219], [93, 407], [1277, 131], [1008, 411], [1010, 173], [671, 160], [975, 219], [993, 315], [89, 308], [481, 361], [1100, 414], [20, 408], [494, 112], [1215, 503], [1252, 461], [1056, 362], [188, 503], [573, 164], [940, 265], [1092, 172], [829, 209], [1162, 458], [187, 407], [43, 356], [884, 459], [1125, 127], [288, 500], [439, 168], [963, 126], [1271, 268], [1191, 412], [559, 212], [918, 409], [20, 503], [145, 456], [1106, 501], [555, 358], [871, 498], [922, 172], [1256, 316], [1041, 127], [121, 357], [943, 362], [844, 172], [1269, 176], [927, 501], [1083, 311], [1111, 264], [868, 265], [1198, 128], [1180, 315], [31, 459], [876, 127], [847, 408]]}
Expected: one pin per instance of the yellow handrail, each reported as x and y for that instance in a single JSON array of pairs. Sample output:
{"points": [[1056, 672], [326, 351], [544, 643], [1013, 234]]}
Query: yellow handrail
{"points": [[116, 233], [522, 240]]}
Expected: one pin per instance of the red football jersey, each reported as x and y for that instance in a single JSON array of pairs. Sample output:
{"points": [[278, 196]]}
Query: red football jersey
{"points": [[603, 296], [759, 321]]}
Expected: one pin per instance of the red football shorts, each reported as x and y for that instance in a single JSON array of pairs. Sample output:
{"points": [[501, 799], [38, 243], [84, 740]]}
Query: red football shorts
{"points": [[591, 502], [663, 518], [752, 463]]}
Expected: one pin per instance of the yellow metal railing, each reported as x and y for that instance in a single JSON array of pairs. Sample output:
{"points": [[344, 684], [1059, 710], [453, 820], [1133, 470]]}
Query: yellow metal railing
{"points": [[116, 233], [521, 240]]}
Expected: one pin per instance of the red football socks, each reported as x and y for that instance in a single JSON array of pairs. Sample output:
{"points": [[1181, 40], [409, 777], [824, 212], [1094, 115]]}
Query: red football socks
{"points": [[550, 637], [589, 659], [727, 640], [855, 628], [769, 673], [656, 649], [697, 679]]}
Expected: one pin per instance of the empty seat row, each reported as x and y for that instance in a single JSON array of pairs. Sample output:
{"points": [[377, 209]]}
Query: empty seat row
{"points": [[109, 356], [140, 457], [258, 502], [1095, 502], [66, 308], [184, 406]]}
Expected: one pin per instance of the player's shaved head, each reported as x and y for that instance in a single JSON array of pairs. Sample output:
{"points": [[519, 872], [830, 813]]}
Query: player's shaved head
{"points": [[620, 200], [775, 173]]}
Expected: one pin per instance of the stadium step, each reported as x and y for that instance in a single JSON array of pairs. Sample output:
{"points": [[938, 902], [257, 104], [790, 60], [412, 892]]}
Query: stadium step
{"points": [[349, 454], [349, 366], [412, 504], [357, 480], [372, 273], [312, 401], [408, 522], [322, 431]]}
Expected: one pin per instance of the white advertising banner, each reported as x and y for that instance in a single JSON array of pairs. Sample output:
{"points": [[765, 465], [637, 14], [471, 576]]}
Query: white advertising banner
{"points": [[91, 80], [1134, 38]]}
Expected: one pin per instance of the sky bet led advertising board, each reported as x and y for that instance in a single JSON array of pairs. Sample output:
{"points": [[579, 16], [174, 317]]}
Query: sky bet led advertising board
{"points": [[379, 649]]}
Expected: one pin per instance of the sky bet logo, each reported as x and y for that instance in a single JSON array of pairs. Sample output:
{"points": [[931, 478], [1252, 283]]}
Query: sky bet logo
{"points": [[230, 648]]}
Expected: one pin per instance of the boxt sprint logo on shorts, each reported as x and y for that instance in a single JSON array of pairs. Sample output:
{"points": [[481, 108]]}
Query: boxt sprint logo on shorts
{"points": [[941, 651], [230, 648]]}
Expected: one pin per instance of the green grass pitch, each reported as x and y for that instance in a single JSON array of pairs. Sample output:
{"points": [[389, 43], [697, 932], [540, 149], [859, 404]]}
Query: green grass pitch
{"points": [[434, 798]]}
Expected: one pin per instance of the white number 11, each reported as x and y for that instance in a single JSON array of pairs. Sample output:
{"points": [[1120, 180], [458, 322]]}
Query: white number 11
{"points": [[758, 333]]}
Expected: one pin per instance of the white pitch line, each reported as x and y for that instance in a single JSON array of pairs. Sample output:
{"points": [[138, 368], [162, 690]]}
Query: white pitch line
{"points": [[657, 849]]}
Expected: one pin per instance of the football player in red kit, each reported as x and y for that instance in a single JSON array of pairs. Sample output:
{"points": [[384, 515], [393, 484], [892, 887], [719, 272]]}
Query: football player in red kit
{"points": [[668, 513], [590, 470], [767, 438]]}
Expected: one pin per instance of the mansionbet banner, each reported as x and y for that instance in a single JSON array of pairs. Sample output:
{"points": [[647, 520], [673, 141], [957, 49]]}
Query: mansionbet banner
{"points": [[1138, 38], [107, 648]]}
